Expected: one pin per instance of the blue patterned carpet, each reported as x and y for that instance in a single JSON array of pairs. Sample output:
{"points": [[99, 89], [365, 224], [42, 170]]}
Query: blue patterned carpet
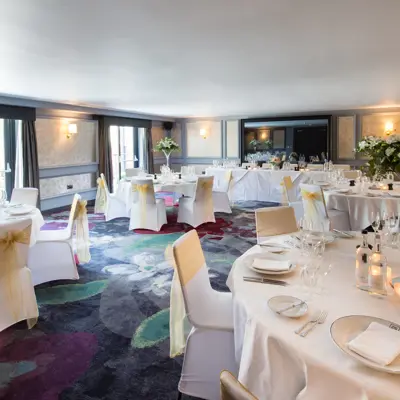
{"points": [[106, 336]]}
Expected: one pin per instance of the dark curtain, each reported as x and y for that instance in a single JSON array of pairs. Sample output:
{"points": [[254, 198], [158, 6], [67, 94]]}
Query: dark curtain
{"points": [[30, 155], [10, 149], [149, 152], [105, 157]]}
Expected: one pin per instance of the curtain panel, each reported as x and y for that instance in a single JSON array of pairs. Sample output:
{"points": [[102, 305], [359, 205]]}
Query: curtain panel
{"points": [[149, 162], [10, 147], [105, 156], [30, 155]]}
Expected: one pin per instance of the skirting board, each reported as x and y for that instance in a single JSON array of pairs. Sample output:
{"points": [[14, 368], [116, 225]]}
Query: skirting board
{"points": [[66, 199]]}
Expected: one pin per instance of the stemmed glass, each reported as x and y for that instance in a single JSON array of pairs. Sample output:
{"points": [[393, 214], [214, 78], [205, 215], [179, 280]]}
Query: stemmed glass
{"points": [[375, 221]]}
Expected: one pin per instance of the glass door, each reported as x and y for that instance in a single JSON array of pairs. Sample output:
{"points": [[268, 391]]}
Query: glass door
{"points": [[122, 140]]}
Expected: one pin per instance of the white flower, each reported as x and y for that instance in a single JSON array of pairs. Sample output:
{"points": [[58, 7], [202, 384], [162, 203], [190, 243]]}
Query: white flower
{"points": [[362, 145], [389, 151]]}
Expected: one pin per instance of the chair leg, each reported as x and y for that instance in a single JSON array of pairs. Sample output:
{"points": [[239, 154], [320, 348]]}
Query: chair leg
{"points": [[179, 395]]}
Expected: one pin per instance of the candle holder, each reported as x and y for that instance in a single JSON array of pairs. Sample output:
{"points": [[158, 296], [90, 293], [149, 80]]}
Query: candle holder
{"points": [[377, 273]]}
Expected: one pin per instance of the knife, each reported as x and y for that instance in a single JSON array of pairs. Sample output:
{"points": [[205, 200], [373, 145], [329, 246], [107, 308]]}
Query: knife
{"points": [[343, 233], [264, 280]]}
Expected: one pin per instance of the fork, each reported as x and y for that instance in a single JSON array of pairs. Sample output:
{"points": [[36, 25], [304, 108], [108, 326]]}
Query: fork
{"points": [[320, 320], [313, 319]]}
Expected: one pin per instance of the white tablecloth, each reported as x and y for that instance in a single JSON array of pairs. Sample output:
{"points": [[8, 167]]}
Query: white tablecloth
{"points": [[35, 216], [275, 363], [263, 185], [360, 207], [124, 189]]}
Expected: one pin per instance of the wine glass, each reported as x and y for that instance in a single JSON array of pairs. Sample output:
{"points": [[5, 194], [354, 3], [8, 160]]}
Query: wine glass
{"points": [[375, 221]]}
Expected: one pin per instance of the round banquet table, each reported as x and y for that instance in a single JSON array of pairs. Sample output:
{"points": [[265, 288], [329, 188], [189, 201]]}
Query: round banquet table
{"points": [[35, 216], [124, 189], [262, 184], [298, 361], [360, 207]]}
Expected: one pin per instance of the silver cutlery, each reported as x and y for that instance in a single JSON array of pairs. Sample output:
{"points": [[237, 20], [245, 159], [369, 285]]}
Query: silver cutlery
{"points": [[265, 280], [343, 233], [320, 320], [290, 307], [314, 318]]}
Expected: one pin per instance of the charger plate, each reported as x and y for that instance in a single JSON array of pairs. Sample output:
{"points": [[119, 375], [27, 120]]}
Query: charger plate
{"points": [[345, 329]]}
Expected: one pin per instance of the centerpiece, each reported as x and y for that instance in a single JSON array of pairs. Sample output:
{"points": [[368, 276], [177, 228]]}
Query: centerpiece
{"points": [[265, 145], [167, 146], [383, 155], [276, 162]]}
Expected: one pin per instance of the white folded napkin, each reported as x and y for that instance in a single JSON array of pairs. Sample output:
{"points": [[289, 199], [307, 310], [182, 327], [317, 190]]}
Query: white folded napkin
{"points": [[377, 343], [264, 264]]}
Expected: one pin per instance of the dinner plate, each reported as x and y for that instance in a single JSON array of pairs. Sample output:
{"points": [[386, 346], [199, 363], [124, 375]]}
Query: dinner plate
{"points": [[345, 329], [248, 262], [21, 210], [278, 303]]}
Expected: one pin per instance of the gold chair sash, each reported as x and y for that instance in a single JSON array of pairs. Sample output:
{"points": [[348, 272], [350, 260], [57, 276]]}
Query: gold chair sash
{"points": [[143, 189], [9, 271], [101, 197], [82, 232], [315, 210]]}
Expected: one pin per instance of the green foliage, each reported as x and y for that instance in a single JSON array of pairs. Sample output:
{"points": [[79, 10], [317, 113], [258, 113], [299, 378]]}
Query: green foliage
{"points": [[167, 145]]}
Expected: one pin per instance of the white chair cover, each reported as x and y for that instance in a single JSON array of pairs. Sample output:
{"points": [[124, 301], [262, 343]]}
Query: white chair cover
{"points": [[198, 209], [27, 196], [316, 213], [344, 167], [17, 296], [100, 204], [115, 207], [147, 212], [266, 166], [210, 344], [274, 221], [132, 172], [220, 193], [57, 245], [290, 197]]}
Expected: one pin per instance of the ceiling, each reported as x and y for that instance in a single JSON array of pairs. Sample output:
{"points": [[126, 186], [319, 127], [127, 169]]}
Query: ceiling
{"points": [[204, 58]]}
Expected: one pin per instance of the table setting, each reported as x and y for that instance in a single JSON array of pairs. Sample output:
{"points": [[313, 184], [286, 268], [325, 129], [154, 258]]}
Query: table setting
{"points": [[328, 301]]}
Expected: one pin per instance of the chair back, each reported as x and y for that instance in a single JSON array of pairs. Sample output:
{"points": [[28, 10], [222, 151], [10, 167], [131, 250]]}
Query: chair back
{"points": [[193, 277], [222, 183], [27, 196], [343, 167], [315, 211], [73, 214], [273, 221], [203, 191], [132, 172], [290, 195], [351, 174], [14, 247], [232, 389], [315, 167], [245, 164], [266, 166], [143, 191]]}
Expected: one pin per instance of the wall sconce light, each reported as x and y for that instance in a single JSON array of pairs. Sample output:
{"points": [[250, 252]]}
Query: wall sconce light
{"points": [[72, 130], [389, 128], [203, 133]]}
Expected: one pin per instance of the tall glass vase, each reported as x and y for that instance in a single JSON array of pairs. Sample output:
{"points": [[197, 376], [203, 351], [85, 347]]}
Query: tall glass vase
{"points": [[167, 155]]}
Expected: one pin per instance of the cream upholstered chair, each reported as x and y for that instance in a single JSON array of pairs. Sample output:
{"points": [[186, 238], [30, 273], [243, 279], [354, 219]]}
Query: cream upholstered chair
{"points": [[129, 172], [351, 174], [115, 207], [316, 213], [344, 167], [210, 343], [147, 212], [199, 209], [274, 221], [17, 295], [266, 166], [52, 257], [232, 389], [220, 193], [315, 167], [290, 197], [27, 196], [245, 164]]}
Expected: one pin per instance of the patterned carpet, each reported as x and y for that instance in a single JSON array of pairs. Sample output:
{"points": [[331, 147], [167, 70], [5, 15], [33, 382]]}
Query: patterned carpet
{"points": [[106, 337]]}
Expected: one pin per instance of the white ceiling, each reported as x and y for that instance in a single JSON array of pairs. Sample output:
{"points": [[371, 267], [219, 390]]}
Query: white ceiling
{"points": [[203, 58]]}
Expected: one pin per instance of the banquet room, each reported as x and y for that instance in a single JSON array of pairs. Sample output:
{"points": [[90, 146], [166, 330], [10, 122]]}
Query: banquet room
{"points": [[199, 200]]}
